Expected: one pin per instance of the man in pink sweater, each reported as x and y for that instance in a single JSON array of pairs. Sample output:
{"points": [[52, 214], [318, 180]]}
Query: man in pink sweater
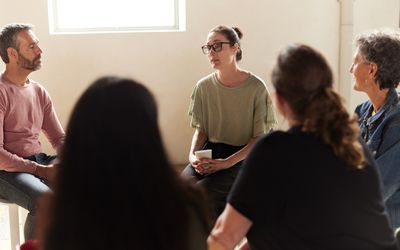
{"points": [[26, 109]]}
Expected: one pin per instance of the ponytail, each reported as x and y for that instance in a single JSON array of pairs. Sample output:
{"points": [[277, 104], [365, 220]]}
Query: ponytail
{"points": [[304, 79], [327, 118]]}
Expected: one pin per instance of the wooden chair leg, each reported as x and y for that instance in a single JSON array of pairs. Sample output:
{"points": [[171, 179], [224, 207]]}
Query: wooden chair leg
{"points": [[14, 225]]}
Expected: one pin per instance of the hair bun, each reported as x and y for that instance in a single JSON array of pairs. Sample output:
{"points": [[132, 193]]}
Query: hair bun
{"points": [[238, 32]]}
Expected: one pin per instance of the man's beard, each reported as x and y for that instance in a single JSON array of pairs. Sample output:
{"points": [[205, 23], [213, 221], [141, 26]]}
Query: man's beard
{"points": [[29, 65]]}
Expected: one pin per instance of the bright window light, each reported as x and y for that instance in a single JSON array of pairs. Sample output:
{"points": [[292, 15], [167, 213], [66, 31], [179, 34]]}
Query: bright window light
{"points": [[97, 16]]}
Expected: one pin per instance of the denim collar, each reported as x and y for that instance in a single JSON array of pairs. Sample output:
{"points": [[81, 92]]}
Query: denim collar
{"points": [[391, 99]]}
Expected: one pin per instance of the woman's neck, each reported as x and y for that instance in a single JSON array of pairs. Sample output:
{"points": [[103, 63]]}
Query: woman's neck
{"points": [[378, 98], [232, 77]]}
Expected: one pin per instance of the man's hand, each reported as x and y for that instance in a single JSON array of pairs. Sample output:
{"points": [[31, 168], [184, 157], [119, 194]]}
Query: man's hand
{"points": [[46, 172]]}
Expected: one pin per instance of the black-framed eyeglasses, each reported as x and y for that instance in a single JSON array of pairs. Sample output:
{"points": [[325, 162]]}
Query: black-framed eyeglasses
{"points": [[217, 47]]}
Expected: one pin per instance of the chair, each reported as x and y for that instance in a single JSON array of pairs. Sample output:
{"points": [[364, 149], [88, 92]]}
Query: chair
{"points": [[14, 221], [397, 235]]}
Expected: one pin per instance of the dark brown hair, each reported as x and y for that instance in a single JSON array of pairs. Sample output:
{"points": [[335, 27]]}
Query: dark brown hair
{"points": [[115, 187], [8, 38], [304, 79], [233, 35]]}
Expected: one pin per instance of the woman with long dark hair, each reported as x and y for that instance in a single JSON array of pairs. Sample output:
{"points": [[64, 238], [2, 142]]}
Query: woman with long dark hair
{"points": [[115, 188]]}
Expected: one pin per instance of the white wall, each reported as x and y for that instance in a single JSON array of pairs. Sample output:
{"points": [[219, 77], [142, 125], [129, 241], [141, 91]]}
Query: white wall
{"points": [[171, 63], [371, 15]]}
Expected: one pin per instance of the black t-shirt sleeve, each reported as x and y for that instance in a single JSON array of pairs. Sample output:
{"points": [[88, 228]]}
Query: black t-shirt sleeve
{"points": [[258, 192]]}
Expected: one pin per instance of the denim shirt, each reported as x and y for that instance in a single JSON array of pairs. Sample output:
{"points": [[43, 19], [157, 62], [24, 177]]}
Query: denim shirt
{"points": [[381, 132]]}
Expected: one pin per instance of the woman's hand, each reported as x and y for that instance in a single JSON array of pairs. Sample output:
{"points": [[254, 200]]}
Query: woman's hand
{"points": [[205, 166], [210, 166], [199, 165]]}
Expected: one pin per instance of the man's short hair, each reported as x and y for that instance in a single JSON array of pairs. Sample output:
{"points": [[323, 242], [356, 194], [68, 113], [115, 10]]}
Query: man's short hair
{"points": [[8, 38]]}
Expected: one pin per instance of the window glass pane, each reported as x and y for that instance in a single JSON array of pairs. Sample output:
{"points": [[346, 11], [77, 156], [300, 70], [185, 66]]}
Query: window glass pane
{"points": [[114, 15]]}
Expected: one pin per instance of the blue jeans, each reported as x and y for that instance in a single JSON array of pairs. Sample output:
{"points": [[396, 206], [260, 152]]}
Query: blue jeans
{"points": [[218, 184], [24, 188]]}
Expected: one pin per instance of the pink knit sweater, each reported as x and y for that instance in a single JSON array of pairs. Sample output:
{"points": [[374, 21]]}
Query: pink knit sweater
{"points": [[25, 112]]}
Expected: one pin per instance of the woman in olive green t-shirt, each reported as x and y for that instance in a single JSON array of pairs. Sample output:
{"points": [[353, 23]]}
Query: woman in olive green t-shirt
{"points": [[229, 109]]}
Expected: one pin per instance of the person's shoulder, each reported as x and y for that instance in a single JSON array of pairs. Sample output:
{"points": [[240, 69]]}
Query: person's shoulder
{"points": [[256, 80], [37, 87], [3, 86], [275, 135], [6, 88], [295, 137], [394, 114], [40, 91], [268, 148], [206, 79], [35, 84], [274, 138]]}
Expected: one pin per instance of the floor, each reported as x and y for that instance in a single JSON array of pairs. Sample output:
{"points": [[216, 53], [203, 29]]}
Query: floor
{"points": [[5, 228]]}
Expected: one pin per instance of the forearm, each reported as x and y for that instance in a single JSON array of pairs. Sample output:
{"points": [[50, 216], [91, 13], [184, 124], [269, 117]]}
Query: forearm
{"points": [[229, 229], [241, 154], [215, 244], [53, 131], [198, 141], [214, 165], [14, 163]]}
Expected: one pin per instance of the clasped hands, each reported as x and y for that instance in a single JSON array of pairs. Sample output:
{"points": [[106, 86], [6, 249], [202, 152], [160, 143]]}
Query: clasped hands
{"points": [[206, 166]]}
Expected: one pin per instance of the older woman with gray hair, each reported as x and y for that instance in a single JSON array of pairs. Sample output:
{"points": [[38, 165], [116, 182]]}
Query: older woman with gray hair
{"points": [[376, 71]]}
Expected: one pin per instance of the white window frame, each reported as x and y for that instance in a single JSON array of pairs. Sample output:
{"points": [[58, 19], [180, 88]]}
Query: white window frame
{"points": [[54, 27]]}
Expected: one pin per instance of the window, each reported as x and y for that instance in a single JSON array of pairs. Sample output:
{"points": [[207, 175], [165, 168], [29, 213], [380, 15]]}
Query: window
{"points": [[97, 16]]}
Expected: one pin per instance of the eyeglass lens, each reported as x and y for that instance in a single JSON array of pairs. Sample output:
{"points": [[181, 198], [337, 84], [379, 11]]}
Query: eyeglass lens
{"points": [[216, 47]]}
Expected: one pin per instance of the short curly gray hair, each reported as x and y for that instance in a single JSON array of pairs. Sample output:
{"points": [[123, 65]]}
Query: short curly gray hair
{"points": [[383, 49], [8, 38]]}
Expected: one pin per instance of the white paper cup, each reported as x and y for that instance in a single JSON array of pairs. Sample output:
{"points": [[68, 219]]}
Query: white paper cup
{"points": [[203, 154]]}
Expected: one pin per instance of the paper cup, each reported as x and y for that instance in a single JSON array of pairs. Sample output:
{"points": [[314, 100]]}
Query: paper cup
{"points": [[203, 154]]}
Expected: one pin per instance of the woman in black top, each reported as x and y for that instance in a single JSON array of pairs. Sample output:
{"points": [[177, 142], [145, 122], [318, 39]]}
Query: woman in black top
{"points": [[115, 188], [313, 186]]}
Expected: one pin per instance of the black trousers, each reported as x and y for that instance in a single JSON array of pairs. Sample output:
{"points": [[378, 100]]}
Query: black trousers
{"points": [[218, 184]]}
